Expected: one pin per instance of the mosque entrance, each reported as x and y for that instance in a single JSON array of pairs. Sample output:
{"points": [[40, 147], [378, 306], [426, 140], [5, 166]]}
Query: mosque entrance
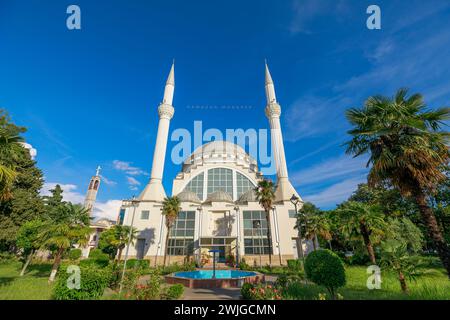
{"points": [[225, 245]]}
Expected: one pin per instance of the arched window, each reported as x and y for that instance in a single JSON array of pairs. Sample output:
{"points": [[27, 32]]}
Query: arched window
{"points": [[196, 185], [243, 184], [96, 185], [91, 184], [220, 179]]}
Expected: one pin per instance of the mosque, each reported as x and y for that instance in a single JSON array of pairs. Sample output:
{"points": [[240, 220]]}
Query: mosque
{"points": [[219, 206]]}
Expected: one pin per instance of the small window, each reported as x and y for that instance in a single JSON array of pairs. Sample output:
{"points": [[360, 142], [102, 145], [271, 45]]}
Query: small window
{"points": [[145, 214], [292, 214]]}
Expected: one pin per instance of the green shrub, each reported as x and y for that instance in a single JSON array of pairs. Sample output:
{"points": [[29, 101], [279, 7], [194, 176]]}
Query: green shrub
{"points": [[100, 261], [174, 292], [245, 291], [325, 268], [95, 253], [149, 291], [294, 265], [243, 265], [93, 282], [74, 254], [263, 291], [134, 263]]}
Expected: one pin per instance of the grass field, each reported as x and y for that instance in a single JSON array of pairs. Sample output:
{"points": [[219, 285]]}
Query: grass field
{"points": [[32, 286], [433, 284]]}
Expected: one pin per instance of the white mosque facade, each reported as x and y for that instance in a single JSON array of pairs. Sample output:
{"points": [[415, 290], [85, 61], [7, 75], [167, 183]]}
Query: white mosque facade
{"points": [[219, 207]]}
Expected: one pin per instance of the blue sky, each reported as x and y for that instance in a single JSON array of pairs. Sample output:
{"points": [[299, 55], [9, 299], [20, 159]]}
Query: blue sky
{"points": [[89, 97]]}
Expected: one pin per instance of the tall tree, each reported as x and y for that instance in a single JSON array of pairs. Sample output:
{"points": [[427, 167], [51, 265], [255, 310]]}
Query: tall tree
{"points": [[27, 241], [315, 223], [61, 235], [407, 149], [115, 239], [171, 208], [265, 194], [24, 203], [361, 219]]}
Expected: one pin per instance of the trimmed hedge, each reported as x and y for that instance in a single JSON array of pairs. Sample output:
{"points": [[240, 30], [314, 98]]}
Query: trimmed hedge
{"points": [[325, 268], [174, 292], [75, 254], [135, 263], [93, 282]]}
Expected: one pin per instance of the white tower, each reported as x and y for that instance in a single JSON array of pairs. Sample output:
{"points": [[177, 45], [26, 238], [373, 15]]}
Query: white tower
{"points": [[154, 191], [91, 194], [284, 190]]}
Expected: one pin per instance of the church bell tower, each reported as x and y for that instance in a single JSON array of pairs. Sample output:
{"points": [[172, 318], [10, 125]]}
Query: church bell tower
{"points": [[91, 194]]}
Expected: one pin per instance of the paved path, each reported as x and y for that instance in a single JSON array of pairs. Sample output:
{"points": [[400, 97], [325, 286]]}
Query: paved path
{"points": [[212, 294]]}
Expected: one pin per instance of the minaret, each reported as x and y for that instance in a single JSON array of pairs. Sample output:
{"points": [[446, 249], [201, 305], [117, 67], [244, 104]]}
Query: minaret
{"points": [[154, 191], [284, 190], [91, 194]]}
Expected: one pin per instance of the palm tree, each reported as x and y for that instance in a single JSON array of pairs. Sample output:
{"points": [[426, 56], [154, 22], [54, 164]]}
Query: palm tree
{"points": [[171, 208], [361, 219], [407, 149], [315, 222], [120, 237], [7, 174], [62, 236], [265, 194]]}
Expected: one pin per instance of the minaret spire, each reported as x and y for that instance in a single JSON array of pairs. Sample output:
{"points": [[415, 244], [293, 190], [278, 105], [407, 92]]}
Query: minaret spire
{"points": [[284, 189], [270, 87], [170, 86], [154, 191]]}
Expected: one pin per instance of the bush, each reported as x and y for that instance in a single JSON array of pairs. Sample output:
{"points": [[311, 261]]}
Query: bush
{"points": [[74, 254], [93, 282], [294, 265], [174, 292], [99, 261], [243, 265], [325, 268], [149, 291], [134, 263], [95, 253], [245, 291], [264, 292]]}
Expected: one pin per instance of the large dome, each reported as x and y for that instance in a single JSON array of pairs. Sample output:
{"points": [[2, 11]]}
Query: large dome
{"points": [[219, 152]]}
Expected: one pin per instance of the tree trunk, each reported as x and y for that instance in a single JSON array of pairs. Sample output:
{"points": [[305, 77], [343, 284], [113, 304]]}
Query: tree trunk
{"points": [[433, 229], [269, 237], [119, 255], [166, 246], [25, 266], [402, 280], [367, 242], [56, 264], [314, 243]]}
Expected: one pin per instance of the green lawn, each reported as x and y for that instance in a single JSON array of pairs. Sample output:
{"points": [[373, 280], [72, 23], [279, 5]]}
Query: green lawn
{"points": [[32, 286], [433, 284]]}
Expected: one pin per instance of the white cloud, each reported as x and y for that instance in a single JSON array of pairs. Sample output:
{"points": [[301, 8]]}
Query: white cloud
{"points": [[108, 209], [133, 183], [128, 168], [335, 168], [69, 192], [336, 193], [107, 181], [31, 149]]}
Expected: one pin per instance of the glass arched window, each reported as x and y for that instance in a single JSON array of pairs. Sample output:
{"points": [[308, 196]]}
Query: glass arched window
{"points": [[196, 185], [243, 184], [220, 179]]}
